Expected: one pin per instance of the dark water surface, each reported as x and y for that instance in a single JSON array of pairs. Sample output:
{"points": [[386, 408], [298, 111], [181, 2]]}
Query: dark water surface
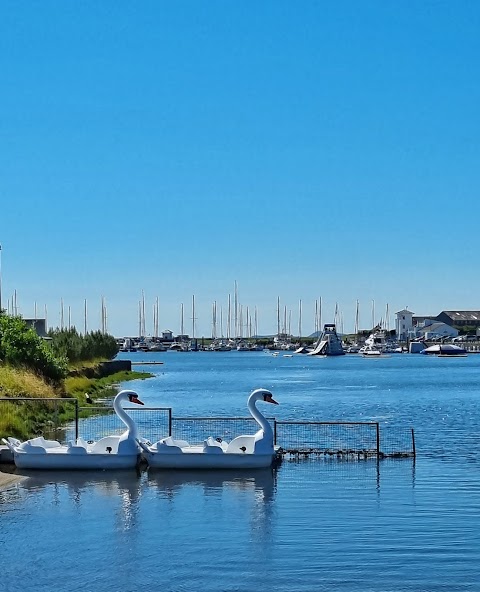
{"points": [[313, 524]]}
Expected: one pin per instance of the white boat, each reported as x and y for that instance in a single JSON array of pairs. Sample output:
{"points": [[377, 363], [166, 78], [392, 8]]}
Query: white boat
{"points": [[111, 452], [156, 346], [371, 353], [445, 349], [243, 452]]}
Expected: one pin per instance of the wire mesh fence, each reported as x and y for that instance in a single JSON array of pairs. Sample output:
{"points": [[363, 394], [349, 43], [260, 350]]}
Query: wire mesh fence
{"points": [[196, 429], [397, 441], [153, 423], [37, 417], [63, 420], [328, 437]]}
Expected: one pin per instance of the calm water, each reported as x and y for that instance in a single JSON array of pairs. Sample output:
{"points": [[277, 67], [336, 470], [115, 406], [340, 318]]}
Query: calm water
{"points": [[310, 525]]}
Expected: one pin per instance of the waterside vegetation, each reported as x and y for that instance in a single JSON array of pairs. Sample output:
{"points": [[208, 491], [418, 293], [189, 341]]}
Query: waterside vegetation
{"points": [[34, 368]]}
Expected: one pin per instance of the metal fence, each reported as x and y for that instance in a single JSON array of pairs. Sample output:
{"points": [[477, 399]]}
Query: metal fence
{"points": [[305, 437], [63, 420], [196, 429], [94, 423], [37, 417]]}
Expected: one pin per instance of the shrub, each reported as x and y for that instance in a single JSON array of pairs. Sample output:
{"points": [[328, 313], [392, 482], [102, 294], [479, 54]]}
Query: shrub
{"points": [[76, 347], [20, 346]]}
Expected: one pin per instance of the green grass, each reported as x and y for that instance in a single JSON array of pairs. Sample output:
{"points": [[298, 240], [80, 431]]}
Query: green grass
{"points": [[77, 386], [26, 419], [16, 382]]}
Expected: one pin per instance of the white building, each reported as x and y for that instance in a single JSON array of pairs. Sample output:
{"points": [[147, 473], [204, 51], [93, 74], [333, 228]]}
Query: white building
{"points": [[430, 329], [403, 323]]}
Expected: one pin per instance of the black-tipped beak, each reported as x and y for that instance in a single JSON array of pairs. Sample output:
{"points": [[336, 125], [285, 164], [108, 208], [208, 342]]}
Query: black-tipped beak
{"points": [[270, 399], [136, 400]]}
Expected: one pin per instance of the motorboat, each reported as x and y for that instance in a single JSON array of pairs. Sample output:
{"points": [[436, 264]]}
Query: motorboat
{"points": [[243, 452], [370, 352], [445, 349], [111, 452]]}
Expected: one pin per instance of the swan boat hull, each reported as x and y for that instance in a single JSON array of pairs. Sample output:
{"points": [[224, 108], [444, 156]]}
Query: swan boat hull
{"points": [[195, 458], [61, 460]]}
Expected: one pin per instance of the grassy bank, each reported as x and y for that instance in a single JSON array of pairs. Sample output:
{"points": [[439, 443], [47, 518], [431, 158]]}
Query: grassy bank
{"points": [[78, 386], [25, 419]]}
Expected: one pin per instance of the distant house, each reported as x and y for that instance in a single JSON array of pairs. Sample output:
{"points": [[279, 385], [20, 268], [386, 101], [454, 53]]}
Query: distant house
{"points": [[420, 319], [39, 326], [430, 329], [167, 335], [460, 318]]}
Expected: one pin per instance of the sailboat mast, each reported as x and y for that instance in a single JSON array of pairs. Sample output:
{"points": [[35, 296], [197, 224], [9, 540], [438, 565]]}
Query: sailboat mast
{"points": [[235, 307], [156, 316], [139, 318], [320, 314], [300, 319], [356, 321], [214, 320], [278, 316], [144, 329], [229, 316], [193, 317]]}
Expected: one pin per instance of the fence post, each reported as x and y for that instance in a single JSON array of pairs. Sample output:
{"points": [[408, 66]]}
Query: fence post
{"points": [[76, 419], [170, 421], [56, 404], [274, 432], [413, 443], [378, 439]]}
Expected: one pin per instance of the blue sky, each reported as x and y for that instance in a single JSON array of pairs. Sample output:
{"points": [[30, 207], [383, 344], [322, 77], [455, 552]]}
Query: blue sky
{"points": [[301, 149]]}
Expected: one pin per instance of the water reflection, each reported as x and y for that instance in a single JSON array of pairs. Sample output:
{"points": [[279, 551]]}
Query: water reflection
{"points": [[80, 486], [246, 493], [261, 482]]}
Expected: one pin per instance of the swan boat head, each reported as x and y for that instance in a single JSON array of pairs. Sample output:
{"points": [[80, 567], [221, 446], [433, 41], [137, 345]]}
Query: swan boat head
{"points": [[262, 395], [127, 395]]}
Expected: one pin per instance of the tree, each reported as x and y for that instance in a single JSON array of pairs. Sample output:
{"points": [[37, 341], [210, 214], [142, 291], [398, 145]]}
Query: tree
{"points": [[21, 346]]}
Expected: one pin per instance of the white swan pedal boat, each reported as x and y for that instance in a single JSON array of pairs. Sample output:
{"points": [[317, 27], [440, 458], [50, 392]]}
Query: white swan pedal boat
{"points": [[111, 452], [243, 452]]}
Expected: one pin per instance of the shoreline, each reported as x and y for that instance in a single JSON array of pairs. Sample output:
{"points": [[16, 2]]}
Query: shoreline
{"points": [[8, 479]]}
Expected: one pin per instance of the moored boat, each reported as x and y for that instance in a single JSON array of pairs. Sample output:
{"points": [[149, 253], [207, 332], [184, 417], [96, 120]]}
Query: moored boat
{"points": [[243, 452], [111, 452]]}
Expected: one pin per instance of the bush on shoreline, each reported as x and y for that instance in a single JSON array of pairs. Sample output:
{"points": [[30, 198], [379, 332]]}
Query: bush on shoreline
{"points": [[81, 348], [21, 347]]}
